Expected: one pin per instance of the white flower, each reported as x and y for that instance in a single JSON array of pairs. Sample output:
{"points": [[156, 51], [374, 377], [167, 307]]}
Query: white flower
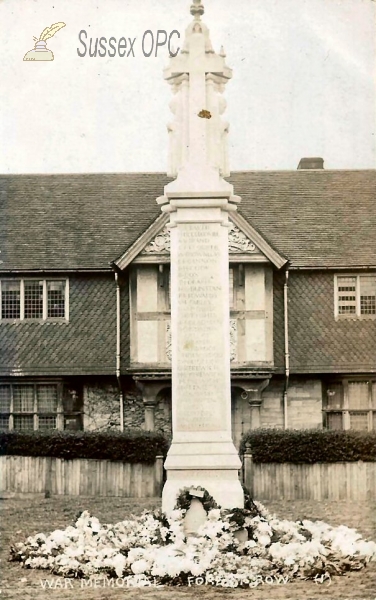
{"points": [[295, 552], [214, 514], [264, 527], [74, 552], [94, 525], [118, 563], [176, 515], [59, 537], [140, 566], [135, 554], [264, 540]]}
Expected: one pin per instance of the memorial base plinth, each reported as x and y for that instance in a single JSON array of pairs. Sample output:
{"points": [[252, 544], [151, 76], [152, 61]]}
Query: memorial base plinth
{"points": [[211, 465], [222, 484]]}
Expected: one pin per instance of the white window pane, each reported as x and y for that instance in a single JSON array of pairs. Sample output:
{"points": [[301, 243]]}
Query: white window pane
{"points": [[47, 398], [46, 423], [374, 395], [33, 299], [359, 421], [10, 300], [344, 309], [346, 293], [358, 394], [23, 398], [346, 284], [367, 305], [368, 285], [56, 299], [4, 423], [4, 398], [368, 295], [334, 420], [23, 422], [334, 396]]}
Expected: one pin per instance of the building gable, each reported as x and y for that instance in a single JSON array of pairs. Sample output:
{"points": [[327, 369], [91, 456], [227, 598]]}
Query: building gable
{"points": [[245, 244]]}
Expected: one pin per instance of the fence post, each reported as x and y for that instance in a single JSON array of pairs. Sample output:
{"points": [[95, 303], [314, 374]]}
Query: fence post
{"points": [[48, 477], [158, 475], [248, 469], [3, 470]]}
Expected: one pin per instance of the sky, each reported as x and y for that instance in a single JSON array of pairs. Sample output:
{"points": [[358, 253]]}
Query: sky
{"points": [[303, 84]]}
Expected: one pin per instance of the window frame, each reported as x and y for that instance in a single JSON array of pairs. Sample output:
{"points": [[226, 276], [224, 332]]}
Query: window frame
{"points": [[35, 413], [345, 410], [45, 316], [61, 414], [357, 315]]}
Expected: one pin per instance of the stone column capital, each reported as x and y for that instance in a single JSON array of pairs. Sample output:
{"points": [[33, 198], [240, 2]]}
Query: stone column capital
{"points": [[252, 390], [150, 390]]}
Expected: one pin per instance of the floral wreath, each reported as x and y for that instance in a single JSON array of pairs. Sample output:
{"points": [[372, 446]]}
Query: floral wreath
{"points": [[184, 499]]}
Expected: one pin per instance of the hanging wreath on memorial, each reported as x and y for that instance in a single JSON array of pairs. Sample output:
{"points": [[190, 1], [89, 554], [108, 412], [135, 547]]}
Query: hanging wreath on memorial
{"points": [[183, 501]]}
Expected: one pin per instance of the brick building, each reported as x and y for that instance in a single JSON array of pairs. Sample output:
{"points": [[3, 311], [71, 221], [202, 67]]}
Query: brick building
{"points": [[85, 307]]}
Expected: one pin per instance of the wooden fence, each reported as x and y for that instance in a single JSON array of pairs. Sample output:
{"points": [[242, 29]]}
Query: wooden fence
{"points": [[266, 481], [319, 481], [83, 477]]}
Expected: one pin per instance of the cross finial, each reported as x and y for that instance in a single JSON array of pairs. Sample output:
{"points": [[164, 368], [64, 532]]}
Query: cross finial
{"points": [[197, 9]]}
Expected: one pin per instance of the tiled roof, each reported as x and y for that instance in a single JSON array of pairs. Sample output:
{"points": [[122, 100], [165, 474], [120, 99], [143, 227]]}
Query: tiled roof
{"points": [[74, 221], [314, 218], [61, 222]]}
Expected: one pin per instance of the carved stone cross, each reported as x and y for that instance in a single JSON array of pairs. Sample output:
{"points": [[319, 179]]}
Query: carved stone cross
{"points": [[198, 98]]}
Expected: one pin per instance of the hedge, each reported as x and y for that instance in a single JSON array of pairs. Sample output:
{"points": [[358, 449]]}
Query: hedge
{"points": [[309, 446], [132, 446]]}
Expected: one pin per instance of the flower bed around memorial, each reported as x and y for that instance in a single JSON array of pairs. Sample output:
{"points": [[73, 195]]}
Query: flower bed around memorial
{"points": [[153, 547]]}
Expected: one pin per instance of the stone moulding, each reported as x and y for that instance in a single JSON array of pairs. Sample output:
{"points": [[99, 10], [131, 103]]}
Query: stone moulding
{"points": [[245, 243], [168, 341], [238, 242], [161, 244], [233, 339]]}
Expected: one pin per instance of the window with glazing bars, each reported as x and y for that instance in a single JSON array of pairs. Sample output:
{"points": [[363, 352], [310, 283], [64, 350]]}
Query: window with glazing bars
{"points": [[28, 406], [34, 299], [351, 405], [355, 295]]}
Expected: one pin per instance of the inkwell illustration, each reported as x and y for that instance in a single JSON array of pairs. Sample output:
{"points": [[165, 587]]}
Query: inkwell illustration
{"points": [[41, 51]]}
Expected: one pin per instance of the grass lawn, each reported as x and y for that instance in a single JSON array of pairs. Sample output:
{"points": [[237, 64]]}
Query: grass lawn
{"points": [[27, 515]]}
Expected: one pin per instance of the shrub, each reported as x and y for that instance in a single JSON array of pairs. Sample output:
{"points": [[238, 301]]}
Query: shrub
{"points": [[309, 446], [129, 446]]}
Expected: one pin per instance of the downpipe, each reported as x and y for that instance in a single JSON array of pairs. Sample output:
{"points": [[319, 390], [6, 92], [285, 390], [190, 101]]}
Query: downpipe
{"points": [[287, 354], [118, 349]]}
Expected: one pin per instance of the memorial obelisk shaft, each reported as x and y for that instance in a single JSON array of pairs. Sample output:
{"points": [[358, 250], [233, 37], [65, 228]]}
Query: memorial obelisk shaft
{"points": [[199, 200]]}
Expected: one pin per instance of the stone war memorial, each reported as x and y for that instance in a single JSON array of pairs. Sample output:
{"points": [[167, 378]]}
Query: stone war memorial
{"points": [[198, 202], [208, 530]]}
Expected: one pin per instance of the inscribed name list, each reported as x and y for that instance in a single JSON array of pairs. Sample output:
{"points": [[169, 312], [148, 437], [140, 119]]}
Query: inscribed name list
{"points": [[201, 321]]}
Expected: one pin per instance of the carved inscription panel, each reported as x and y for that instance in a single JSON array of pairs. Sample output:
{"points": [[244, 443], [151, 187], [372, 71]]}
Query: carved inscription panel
{"points": [[201, 318]]}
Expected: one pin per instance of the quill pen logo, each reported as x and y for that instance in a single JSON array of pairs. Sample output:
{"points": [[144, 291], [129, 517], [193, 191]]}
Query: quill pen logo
{"points": [[41, 51]]}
